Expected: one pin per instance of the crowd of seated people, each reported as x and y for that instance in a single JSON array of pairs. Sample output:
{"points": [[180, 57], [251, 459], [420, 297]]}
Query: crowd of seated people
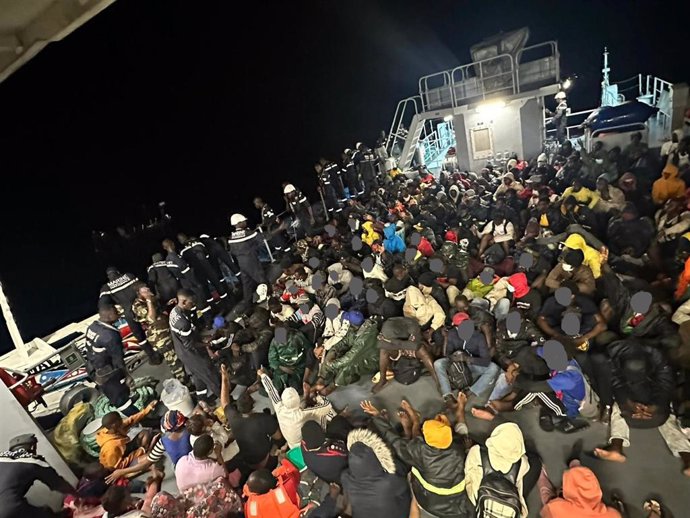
{"points": [[561, 282]]}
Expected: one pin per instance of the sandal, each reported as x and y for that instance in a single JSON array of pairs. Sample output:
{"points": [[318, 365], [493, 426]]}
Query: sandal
{"points": [[653, 506]]}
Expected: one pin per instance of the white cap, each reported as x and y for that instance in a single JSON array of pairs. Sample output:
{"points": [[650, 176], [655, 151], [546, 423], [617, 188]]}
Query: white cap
{"points": [[289, 188], [236, 219], [560, 95], [542, 158]]}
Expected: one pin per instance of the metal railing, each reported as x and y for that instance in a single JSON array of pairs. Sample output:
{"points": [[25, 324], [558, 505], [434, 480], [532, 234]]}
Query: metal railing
{"points": [[406, 109], [572, 130], [487, 77]]}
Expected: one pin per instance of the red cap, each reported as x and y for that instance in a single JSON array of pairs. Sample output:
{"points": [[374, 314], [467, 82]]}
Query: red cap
{"points": [[451, 236], [459, 318], [519, 282]]}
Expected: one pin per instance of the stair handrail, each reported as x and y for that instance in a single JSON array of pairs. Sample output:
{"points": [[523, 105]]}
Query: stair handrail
{"points": [[399, 116], [424, 89]]}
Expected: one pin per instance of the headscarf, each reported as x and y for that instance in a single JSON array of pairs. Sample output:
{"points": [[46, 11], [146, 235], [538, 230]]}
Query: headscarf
{"points": [[173, 421], [505, 446], [437, 432]]}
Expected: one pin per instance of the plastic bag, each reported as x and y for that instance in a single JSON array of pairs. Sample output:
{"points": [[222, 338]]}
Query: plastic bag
{"points": [[173, 391]]}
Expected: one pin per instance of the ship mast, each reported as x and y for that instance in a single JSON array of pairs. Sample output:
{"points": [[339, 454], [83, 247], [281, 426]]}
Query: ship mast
{"points": [[9, 320], [605, 80]]}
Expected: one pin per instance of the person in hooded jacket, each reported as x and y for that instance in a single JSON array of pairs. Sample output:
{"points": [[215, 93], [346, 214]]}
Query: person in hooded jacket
{"points": [[504, 448], [291, 416], [581, 495], [392, 242], [571, 268], [437, 478], [522, 297], [669, 186], [628, 233], [370, 481], [262, 334]]}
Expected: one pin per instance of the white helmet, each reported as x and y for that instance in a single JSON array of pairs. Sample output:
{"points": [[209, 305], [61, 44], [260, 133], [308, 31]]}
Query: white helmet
{"points": [[289, 188], [559, 96], [236, 219]]}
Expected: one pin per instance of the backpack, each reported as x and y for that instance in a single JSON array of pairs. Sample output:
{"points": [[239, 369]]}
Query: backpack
{"points": [[407, 370], [459, 373], [498, 495]]}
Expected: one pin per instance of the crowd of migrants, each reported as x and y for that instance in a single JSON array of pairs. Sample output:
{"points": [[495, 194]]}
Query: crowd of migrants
{"points": [[560, 283]]}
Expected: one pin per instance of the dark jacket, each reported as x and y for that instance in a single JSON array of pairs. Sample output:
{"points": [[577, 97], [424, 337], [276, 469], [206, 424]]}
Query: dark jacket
{"points": [[658, 384], [635, 235], [328, 462], [476, 346], [163, 276], [439, 468], [507, 346], [18, 475], [120, 291], [371, 482]]}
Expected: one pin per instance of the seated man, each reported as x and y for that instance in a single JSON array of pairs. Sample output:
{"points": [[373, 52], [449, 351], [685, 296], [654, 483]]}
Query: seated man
{"points": [[117, 450], [643, 385], [326, 458], [400, 338], [513, 334], [198, 467], [519, 296], [591, 321], [498, 231], [286, 358], [354, 356], [556, 383], [572, 269], [466, 343], [423, 307]]}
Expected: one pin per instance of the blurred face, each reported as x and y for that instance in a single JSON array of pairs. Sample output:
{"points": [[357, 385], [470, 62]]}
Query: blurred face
{"points": [[258, 203], [461, 306], [109, 316], [542, 206], [145, 292], [186, 303]]}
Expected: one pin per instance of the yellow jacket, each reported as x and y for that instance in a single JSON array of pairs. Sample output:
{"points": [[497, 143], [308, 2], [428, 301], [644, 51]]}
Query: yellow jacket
{"points": [[369, 235], [423, 307], [592, 256], [582, 196], [113, 445]]}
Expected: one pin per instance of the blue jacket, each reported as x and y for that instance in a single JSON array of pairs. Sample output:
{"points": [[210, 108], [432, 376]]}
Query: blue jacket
{"points": [[392, 242]]}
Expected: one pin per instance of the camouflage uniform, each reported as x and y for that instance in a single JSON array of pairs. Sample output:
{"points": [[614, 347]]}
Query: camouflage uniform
{"points": [[158, 335]]}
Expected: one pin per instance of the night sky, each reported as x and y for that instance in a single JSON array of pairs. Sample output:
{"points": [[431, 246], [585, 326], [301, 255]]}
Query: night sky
{"points": [[205, 105]]}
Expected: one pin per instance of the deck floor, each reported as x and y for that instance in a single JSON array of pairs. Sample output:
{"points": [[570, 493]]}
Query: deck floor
{"points": [[651, 470]]}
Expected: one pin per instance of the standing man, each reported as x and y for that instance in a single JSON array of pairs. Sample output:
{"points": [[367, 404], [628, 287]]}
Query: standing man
{"points": [[272, 226], [298, 204], [326, 187], [120, 290], [196, 255], [163, 276], [186, 277], [105, 360], [349, 173], [220, 258], [366, 161], [333, 171], [189, 347], [147, 311], [21, 468], [560, 117], [244, 245]]}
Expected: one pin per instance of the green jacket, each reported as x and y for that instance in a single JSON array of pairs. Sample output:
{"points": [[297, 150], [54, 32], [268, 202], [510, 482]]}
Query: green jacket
{"points": [[362, 356]]}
